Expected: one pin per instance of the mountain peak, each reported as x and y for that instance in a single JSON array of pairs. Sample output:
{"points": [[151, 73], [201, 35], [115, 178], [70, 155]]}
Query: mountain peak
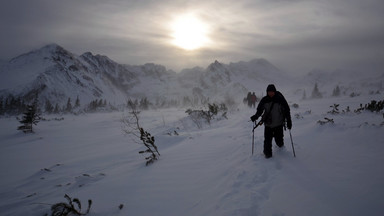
{"points": [[215, 66], [87, 54], [260, 61], [216, 63], [52, 46], [47, 51], [51, 49]]}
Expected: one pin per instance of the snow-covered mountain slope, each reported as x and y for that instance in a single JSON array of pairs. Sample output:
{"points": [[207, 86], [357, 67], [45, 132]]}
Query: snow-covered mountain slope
{"points": [[235, 80], [208, 171], [57, 74]]}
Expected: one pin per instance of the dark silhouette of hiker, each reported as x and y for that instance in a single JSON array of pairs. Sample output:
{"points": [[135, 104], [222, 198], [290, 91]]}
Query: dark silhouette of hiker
{"points": [[275, 111]]}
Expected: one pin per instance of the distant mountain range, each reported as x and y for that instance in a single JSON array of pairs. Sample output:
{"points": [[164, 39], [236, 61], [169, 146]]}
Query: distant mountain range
{"points": [[56, 74]]}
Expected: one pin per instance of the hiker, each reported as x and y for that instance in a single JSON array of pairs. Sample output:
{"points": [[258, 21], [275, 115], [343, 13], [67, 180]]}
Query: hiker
{"points": [[249, 99], [275, 111], [253, 99]]}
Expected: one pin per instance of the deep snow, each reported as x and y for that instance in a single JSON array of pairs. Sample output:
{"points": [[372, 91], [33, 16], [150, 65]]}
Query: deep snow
{"points": [[209, 171]]}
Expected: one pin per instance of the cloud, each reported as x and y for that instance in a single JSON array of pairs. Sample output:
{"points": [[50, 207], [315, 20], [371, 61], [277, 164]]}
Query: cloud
{"points": [[296, 35]]}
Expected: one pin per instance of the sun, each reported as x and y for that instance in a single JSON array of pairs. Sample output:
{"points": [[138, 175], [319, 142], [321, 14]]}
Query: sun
{"points": [[189, 33]]}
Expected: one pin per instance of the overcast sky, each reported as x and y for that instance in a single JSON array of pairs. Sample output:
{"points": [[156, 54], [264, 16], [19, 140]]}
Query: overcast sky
{"points": [[294, 35]]}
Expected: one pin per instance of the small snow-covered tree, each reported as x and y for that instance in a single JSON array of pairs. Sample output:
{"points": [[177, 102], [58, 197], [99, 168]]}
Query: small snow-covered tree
{"points": [[131, 126], [57, 109], [336, 92], [335, 109], [100, 103], [144, 104], [48, 106], [31, 117], [68, 108], [72, 207], [77, 102], [375, 106], [131, 104], [207, 115], [1, 106], [316, 93]]}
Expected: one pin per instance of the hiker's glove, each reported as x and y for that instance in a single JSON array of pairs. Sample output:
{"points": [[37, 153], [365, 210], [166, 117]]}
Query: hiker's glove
{"points": [[254, 118], [289, 124]]}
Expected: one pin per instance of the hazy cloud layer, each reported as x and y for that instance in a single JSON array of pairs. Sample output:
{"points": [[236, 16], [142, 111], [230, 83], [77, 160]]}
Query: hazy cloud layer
{"points": [[293, 34]]}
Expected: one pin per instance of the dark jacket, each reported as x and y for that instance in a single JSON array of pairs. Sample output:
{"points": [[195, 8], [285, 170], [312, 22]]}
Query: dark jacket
{"points": [[278, 114]]}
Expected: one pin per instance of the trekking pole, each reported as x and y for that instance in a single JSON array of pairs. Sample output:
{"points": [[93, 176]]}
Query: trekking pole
{"points": [[253, 137], [253, 133], [293, 148]]}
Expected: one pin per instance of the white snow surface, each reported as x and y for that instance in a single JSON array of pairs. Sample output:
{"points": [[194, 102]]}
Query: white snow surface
{"points": [[208, 171]]}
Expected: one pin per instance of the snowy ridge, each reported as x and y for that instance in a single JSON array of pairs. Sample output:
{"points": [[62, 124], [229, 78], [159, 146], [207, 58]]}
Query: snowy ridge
{"points": [[57, 74]]}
